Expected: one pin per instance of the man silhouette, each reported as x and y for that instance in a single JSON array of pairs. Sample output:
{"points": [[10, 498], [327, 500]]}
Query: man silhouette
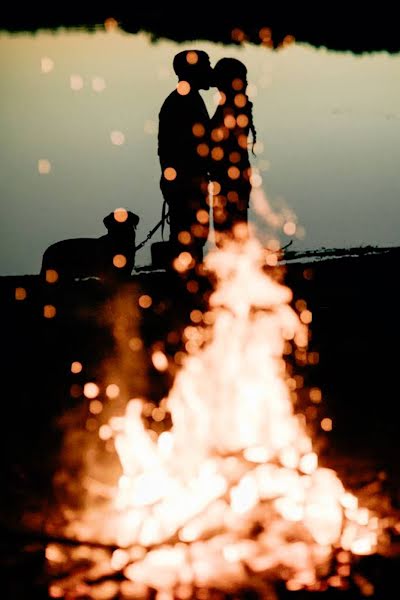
{"points": [[183, 152]]}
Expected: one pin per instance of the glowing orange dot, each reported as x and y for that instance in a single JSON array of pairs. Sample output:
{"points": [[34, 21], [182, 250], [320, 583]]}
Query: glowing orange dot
{"points": [[203, 150], [158, 414], [233, 173], [76, 367], [192, 286], [229, 121], [117, 138], [311, 412], [255, 179], [196, 316], [184, 237], [91, 424], [326, 424], [234, 157], [179, 357], [20, 293], [293, 586], [221, 98], [159, 360], [198, 130], [344, 570], [98, 84], [55, 591], [173, 337], [44, 166], [183, 88], [46, 64], [209, 317], [95, 407], [237, 35], [308, 274], [240, 100], [145, 301], [183, 262], [51, 276], [75, 390], [343, 556], [289, 228], [306, 316], [217, 135], [119, 559], [135, 344], [54, 553], [240, 231], [202, 216], [49, 311], [288, 39], [299, 381], [271, 260], [198, 230], [308, 463], [110, 24], [91, 390], [192, 57], [313, 358], [217, 153], [242, 140], [76, 82], [148, 408], [273, 245], [214, 188], [112, 391], [119, 261], [120, 215], [315, 395], [237, 84], [233, 196], [169, 173], [300, 305], [242, 120], [105, 432], [265, 34]]}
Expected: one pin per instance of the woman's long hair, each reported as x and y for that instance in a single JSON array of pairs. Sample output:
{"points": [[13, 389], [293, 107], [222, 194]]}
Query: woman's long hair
{"points": [[225, 73]]}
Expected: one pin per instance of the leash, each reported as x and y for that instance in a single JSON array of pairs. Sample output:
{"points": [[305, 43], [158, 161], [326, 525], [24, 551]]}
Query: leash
{"points": [[160, 223]]}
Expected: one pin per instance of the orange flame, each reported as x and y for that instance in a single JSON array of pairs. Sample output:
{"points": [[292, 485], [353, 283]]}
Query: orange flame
{"points": [[234, 487]]}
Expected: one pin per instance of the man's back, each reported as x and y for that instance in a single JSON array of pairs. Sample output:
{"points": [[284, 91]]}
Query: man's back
{"points": [[183, 135], [183, 150]]}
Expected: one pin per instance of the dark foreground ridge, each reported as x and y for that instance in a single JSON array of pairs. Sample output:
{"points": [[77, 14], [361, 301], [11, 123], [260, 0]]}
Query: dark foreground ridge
{"points": [[372, 28]]}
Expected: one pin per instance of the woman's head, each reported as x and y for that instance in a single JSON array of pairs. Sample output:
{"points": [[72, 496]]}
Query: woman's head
{"points": [[230, 76]]}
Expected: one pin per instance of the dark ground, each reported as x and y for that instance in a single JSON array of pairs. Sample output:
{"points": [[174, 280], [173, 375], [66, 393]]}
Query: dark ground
{"points": [[355, 330]]}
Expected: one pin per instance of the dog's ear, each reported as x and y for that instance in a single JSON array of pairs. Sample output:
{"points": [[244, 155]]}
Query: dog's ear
{"points": [[112, 224], [133, 219], [109, 221]]}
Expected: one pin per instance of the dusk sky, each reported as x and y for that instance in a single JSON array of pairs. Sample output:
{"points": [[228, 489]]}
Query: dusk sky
{"points": [[78, 117]]}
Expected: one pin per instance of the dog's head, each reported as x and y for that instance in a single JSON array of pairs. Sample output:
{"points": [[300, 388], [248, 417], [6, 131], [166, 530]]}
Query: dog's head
{"points": [[120, 219]]}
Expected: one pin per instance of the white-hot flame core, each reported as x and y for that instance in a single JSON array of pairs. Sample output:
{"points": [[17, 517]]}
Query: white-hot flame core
{"points": [[235, 485]]}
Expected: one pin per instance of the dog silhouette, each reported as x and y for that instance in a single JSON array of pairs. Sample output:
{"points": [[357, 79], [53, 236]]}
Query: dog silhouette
{"points": [[109, 257]]}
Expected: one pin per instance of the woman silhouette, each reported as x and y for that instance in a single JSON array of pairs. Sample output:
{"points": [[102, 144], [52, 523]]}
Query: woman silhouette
{"points": [[230, 164]]}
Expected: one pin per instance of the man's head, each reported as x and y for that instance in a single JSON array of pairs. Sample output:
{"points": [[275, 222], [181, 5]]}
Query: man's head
{"points": [[194, 67]]}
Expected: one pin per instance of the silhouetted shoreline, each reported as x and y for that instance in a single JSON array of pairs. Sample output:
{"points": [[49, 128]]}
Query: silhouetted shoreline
{"points": [[334, 27]]}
